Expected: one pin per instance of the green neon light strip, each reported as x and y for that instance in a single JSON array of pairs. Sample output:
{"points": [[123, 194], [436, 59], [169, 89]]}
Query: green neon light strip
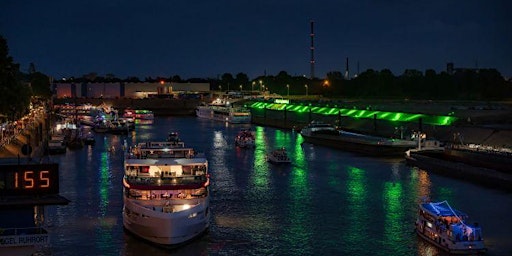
{"points": [[359, 113]]}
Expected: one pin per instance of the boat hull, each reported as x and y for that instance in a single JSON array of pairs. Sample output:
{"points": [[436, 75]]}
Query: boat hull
{"points": [[166, 229], [463, 247], [438, 162], [358, 146], [499, 162]]}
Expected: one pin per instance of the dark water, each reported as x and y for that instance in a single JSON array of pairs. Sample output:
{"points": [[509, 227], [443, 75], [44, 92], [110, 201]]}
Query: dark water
{"points": [[328, 202]]}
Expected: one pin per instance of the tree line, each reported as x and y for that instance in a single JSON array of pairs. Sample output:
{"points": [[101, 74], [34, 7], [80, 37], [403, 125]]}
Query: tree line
{"points": [[18, 88]]}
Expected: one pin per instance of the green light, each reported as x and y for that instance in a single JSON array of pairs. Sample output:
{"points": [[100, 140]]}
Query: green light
{"points": [[355, 113]]}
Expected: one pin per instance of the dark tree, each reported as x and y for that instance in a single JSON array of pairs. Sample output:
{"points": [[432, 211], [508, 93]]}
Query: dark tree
{"points": [[14, 95], [40, 84]]}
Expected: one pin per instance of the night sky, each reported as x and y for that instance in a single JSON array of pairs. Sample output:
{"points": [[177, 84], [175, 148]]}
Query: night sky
{"points": [[206, 38]]}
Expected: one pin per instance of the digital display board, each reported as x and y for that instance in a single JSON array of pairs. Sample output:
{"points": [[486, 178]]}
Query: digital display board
{"points": [[29, 179]]}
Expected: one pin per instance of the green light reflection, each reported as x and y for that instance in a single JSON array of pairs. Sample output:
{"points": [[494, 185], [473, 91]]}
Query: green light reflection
{"points": [[105, 224], [355, 234], [394, 220], [261, 172], [298, 234]]}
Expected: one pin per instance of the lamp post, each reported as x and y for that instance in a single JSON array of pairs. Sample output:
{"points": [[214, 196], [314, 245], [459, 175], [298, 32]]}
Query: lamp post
{"points": [[288, 90], [306, 89], [240, 88], [252, 88], [261, 82]]}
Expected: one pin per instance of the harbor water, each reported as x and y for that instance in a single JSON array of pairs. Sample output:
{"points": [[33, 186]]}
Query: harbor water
{"points": [[327, 202]]}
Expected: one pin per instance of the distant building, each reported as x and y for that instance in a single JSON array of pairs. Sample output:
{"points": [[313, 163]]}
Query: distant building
{"points": [[125, 89], [451, 69]]}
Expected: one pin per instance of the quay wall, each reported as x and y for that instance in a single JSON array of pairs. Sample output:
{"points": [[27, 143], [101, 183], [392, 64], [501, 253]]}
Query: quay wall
{"points": [[33, 134]]}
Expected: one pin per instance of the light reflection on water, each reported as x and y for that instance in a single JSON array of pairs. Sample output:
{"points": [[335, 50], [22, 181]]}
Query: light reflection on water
{"points": [[326, 202]]}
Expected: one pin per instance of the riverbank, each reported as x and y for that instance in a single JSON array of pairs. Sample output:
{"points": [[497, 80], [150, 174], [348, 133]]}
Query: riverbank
{"points": [[28, 138]]}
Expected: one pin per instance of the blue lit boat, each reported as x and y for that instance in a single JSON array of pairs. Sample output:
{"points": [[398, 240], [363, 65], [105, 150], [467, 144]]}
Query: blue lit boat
{"points": [[446, 228]]}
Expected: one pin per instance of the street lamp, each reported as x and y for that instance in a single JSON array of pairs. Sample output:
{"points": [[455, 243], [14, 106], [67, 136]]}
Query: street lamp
{"points": [[288, 90], [252, 88], [240, 88], [306, 89], [261, 82], [220, 88]]}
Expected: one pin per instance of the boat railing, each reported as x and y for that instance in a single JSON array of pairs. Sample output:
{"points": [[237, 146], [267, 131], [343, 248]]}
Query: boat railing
{"points": [[163, 181], [154, 152], [484, 149]]}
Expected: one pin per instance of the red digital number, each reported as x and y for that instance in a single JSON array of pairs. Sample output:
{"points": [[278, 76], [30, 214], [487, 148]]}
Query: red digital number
{"points": [[28, 179], [45, 181], [16, 183]]}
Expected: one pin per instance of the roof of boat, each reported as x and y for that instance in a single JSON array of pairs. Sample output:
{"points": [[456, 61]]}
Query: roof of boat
{"points": [[441, 209]]}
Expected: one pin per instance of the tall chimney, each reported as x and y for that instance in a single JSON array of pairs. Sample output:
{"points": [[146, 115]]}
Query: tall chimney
{"points": [[312, 48]]}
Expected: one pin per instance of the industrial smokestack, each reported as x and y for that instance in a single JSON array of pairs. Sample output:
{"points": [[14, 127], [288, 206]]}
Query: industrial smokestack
{"points": [[312, 48], [346, 70]]}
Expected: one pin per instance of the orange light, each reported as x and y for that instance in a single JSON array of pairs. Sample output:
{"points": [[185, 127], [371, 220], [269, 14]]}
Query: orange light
{"points": [[162, 82]]}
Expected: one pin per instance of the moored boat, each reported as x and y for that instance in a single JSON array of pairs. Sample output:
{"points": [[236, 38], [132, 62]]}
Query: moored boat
{"points": [[446, 228], [492, 157], [166, 193], [221, 110], [327, 135], [56, 145]]}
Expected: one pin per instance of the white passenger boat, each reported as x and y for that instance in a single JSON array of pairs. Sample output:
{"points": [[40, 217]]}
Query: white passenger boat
{"points": [[446, 228], [221, 110], [166, 197], [279, 156]]}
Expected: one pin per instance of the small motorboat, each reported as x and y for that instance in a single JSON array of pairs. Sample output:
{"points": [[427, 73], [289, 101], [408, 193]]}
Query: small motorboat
{"points": [[279, 156], [245, 139]]}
